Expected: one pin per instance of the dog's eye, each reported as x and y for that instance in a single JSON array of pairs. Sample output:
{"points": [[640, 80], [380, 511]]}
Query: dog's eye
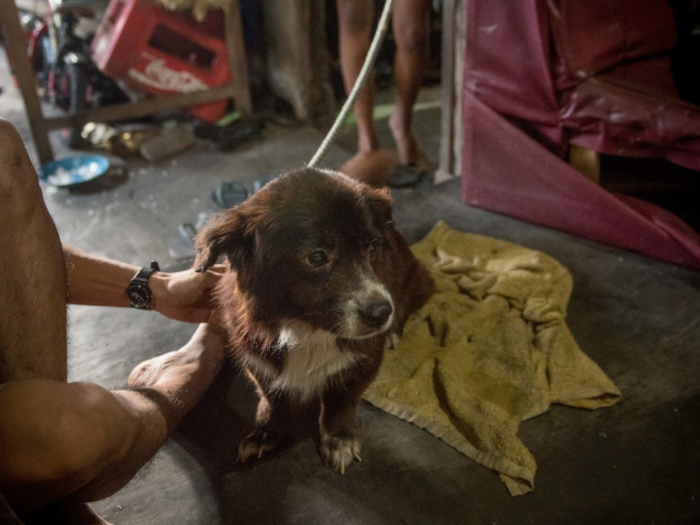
{"points": [[317, 258], [374, 247]]}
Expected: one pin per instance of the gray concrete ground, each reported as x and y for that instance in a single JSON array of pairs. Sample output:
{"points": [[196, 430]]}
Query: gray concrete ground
{"points": [[637, 462]]}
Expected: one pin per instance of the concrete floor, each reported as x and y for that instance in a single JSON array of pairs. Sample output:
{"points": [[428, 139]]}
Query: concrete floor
{"points": [[639, 319]]}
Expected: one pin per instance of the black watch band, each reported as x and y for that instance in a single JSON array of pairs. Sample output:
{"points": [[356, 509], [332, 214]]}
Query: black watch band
{"points": [[138, 291]]}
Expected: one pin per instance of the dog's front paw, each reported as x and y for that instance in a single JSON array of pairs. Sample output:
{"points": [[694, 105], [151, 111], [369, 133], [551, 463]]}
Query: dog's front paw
{"points": [[338, 452], [255, 444]]}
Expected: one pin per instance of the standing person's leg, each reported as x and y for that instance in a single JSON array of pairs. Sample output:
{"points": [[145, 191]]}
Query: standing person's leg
{"points": [[355, 24], [411, 21], [32, 276]]}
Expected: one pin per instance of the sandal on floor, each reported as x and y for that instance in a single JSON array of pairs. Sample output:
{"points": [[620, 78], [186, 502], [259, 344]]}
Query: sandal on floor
{"points": [[227, 138], [406, 176], [228, 194], [181, 247], [188, 231]]}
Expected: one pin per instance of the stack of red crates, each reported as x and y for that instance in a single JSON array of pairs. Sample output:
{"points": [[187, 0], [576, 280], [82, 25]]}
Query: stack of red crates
{"points": [[161, 52]]}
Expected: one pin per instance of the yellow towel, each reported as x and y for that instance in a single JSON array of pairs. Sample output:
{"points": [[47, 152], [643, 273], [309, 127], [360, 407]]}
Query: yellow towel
{"points": [[490, 349]]}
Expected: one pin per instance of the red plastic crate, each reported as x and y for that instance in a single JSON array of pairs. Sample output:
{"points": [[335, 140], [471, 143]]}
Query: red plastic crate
{"points": [[158, 51]]}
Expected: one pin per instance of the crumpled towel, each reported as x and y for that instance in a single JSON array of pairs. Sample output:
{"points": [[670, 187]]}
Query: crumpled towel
{"points": [[490, 349]]}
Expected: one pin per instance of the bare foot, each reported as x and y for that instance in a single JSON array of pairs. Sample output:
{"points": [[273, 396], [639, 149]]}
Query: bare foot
{"points": [[373, 166], [409, 152], [184, 375]]}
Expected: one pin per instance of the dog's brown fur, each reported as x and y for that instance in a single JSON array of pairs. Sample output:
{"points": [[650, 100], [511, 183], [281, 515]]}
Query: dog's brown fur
{"points": [[314, 257]]}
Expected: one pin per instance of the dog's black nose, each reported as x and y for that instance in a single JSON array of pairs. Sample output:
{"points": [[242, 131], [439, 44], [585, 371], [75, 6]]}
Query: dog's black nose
{"points": [[376, 314]]}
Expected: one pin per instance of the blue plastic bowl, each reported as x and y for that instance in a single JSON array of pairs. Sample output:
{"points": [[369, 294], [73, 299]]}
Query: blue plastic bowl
{"points": [[72, 171]]}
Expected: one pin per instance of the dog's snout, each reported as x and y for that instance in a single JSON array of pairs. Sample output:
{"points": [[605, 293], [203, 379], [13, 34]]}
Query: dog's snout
{"points": [[376, 313]]}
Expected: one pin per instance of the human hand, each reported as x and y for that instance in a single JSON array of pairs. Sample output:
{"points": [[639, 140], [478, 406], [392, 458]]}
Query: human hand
{"points": [[185, 296]]}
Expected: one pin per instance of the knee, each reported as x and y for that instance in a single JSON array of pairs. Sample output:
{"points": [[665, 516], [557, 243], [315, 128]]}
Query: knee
{"points": [[57, 437], [355, 16], [411, 35], [18, 180], [96, 431], [13, 154]]}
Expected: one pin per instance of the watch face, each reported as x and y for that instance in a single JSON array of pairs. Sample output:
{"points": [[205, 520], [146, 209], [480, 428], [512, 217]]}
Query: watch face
{"points": [[139, 296]]}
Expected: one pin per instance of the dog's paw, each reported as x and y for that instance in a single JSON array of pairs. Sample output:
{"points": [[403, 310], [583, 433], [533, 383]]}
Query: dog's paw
{"points": [[255, 444], [339, 452]]}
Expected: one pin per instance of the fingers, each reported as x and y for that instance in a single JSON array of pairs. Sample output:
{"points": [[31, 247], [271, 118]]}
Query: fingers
{"points": [[212, 275], [184, 281], [187, 295], [211, 278], [218, 269]]}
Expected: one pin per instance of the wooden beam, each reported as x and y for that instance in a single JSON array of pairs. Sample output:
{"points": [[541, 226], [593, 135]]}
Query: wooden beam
{"points": [[17, 53], [148, 106], [238, 64], [446, 169]]}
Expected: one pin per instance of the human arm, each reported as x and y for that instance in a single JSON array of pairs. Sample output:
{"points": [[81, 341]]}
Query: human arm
{"points": [[183, 296]]}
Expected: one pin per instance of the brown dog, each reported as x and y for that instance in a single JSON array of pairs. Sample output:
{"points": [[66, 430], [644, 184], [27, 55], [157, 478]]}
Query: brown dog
{"points": [[319, 280]]}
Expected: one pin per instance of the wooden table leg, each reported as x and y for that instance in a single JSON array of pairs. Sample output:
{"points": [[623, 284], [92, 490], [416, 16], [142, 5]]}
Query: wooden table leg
{"points": [[17, 53], [237, 58]]}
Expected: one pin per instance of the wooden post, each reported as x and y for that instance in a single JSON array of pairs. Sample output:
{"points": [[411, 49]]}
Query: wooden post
{"points": [[19, 59], [446, 166], [296, 57], [452, 72], [238, 63]]}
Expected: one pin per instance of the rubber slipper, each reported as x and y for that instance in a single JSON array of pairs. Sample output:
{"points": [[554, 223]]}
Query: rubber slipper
{"points": [[239, 132], [228, 194], [406, 175], [181, 247], [188, 231]]}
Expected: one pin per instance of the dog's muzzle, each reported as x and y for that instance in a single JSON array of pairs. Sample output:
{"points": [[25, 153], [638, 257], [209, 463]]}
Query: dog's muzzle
{"points": [[369, 310]]}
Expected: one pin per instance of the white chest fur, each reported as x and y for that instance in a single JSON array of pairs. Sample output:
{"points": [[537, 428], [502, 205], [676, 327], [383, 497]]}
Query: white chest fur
{"points": [[311, 357]]}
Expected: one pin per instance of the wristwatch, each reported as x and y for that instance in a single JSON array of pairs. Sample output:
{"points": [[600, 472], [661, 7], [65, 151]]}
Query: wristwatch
{"points": [[138, 291]]}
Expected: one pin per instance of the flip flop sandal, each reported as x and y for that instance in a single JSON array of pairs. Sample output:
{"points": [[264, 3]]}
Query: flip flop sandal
{"points": [[227, 138], [406, 176], [228, 194], [188, 230], [181, 248]]}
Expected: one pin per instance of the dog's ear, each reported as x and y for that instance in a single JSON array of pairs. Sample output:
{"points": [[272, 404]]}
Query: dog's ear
{"points": [[379, 202], [225, 234]]}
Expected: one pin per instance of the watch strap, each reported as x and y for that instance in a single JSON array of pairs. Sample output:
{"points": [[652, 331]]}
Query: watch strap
{"points": [[144, 274], [140, 280]]}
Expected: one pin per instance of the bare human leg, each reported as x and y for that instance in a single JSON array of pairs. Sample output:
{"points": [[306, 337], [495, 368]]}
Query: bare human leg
{"points": [[162, 390], [77, 442], [63, 444], [411, 20], [33, 277], [355, 22]]}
